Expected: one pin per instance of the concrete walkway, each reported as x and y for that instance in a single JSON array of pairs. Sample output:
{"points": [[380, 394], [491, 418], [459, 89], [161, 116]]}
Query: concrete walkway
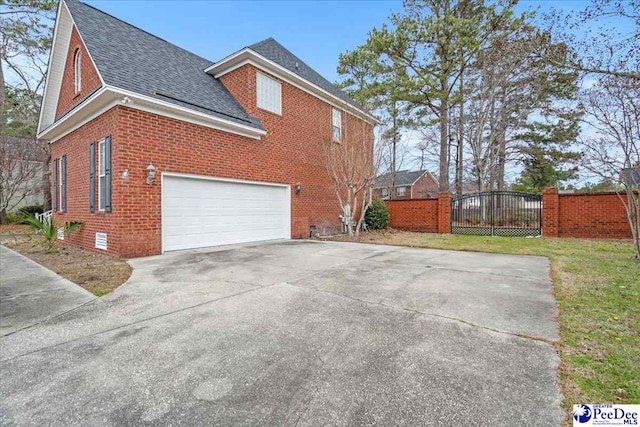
{"points": [[298, 334], [30, 293]]}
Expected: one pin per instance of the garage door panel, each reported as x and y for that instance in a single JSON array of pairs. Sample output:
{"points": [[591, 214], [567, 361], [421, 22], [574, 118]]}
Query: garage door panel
{"points": [[207, 212]]}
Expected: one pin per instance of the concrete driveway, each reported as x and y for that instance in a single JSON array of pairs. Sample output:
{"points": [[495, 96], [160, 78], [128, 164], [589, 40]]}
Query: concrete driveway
{"points": [[297, 333], [30, 293]]}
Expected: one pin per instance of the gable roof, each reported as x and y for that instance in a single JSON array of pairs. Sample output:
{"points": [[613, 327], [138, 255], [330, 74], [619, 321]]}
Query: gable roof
{"points": [[270, 56], [143, 71], [274, 51], [403, 178], [132, 59]]}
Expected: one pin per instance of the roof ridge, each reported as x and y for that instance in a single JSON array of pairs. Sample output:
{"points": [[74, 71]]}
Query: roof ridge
{"points": [[139, 29], [262, 41]]}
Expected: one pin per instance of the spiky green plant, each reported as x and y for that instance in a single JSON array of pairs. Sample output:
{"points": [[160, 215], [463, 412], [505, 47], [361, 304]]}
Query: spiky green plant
{"points": [[48, 230]]}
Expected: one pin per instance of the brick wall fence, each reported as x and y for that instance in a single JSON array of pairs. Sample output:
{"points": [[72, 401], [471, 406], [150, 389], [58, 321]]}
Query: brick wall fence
{"points": [[585, 215], [427, 215], [588, 215]]}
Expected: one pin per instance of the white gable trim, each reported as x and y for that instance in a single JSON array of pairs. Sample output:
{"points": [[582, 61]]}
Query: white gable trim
{"points": [[57, 61], [248, 56], [108, 97], [418, 178], [55, 69]]}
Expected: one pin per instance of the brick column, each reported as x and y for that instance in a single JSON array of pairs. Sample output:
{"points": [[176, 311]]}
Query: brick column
{"points": [[550, 211], [444, 213]]}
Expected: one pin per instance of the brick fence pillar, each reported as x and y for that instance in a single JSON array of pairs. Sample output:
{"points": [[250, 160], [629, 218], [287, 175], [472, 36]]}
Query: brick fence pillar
{"points": [[550, 212], [444, 213]]}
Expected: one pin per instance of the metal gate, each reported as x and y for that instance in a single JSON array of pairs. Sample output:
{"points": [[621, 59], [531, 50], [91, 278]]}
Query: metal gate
{"points": [[497, 213]]}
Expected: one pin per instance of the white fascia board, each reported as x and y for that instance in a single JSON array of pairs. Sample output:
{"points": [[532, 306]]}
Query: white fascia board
{"points": [[108, 96], [418, 179], [167, 109], [57, 60], [248, 56], [89, 109]]}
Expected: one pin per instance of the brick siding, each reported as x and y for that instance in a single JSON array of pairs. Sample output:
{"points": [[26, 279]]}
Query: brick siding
{"points": [[291, 152], [90, 79], [420, 190], [76, 147], [425, 185]]}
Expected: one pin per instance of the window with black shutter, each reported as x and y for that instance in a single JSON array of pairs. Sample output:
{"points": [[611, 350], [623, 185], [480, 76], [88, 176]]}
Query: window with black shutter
{"points": [[63, 183], [56, 170], [92, 177]]}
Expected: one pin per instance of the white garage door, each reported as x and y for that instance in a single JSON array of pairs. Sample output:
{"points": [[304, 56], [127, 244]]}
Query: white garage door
{"points": [[199, 212]]}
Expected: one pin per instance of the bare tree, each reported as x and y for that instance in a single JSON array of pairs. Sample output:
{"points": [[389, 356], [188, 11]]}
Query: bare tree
{"points": [[20, 164], [351, 166], [612, 146], [605, 36], [25, 41]]}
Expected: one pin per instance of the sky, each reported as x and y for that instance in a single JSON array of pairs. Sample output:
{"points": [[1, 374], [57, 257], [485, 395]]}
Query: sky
{"points": [[315, 31]]}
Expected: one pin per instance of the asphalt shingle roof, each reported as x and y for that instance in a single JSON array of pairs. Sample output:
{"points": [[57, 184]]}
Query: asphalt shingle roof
{"points": [[277, 53], [132, 59], [402, 178]]}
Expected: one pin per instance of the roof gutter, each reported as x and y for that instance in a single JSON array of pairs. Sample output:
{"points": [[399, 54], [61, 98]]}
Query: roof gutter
{"points": [[108, 97]]}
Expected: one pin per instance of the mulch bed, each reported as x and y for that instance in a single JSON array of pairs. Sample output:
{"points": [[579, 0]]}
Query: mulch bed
{"points": [[14, 229], [99, 274]]}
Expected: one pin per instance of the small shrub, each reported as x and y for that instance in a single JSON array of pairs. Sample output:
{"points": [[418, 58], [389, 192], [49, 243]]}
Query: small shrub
{"points": [[48, 230], [32, 210], [18, 217], [377, 216]]}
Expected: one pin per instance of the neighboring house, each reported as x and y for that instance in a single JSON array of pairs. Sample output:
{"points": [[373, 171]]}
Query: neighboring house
{"points": [[408, 185], [21, 169], [631, 176], [157, 149]]}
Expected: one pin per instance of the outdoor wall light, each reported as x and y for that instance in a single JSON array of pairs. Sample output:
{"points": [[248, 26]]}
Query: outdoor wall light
{"points": [[298, 188], [125, 174], [151, 173]]}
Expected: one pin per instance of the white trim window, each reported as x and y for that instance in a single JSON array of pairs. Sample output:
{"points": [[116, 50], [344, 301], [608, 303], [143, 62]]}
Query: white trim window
{"points": [[401, 191], [337, 125], [102, 176], [269, 93], [77, 71], [385, 192]]}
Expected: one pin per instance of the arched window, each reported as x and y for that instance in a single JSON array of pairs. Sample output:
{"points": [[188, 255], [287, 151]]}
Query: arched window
{"points": [[77, 70]]}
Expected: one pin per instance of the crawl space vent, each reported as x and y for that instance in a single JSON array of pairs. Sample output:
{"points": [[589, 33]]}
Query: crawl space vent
{"points": [[101, 241], [60, 233]]}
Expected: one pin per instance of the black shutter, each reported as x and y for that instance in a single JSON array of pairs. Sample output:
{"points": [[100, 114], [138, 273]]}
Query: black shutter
{"points": [[63, 183], [55, 185], [92, 177], [107, 174]]}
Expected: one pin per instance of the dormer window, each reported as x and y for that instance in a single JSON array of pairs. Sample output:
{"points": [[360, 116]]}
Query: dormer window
{"points": [[269, 92], [77, 71]]}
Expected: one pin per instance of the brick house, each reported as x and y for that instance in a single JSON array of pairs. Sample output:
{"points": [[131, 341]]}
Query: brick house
{"points": [[158, 149], [418, 184]]}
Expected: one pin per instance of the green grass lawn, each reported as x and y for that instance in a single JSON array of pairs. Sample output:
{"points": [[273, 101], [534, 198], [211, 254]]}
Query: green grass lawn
{"points": [[597, 285]]}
